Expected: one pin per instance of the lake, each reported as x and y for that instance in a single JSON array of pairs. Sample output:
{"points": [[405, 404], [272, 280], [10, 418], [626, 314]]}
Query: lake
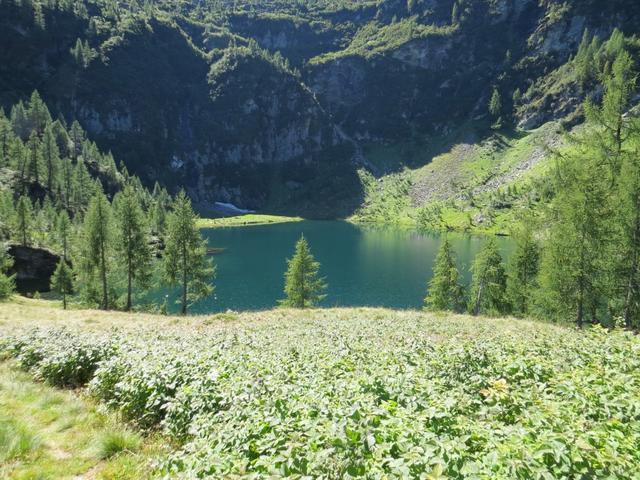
{"points": [[364, 266]]}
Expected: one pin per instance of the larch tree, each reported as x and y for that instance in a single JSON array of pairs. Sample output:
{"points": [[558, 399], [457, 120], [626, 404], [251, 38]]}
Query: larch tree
{"points": [[303, 285], [185, 259], [445, 291], [97, 244], [131, 242], [578, 270], [62, 281], [495, 103], [23, 220], [63, 233], [7, 282], [488, 284], [33, 169], [571, 270], [628, 260], [522, 269], [51, 156]]}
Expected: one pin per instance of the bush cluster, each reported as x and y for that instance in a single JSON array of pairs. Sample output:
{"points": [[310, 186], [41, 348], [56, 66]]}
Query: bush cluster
{"points": [[385, 397]]}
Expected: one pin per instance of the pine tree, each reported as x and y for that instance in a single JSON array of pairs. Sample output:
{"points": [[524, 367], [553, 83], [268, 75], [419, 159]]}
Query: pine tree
{"points": [[303, 287], [62, 281], [445, 291], [77, 137], [23, 220], [487, 294], [33, 170], [63, 233], [522, 270], [571, 272], [97, 243], [495, 104], [20, 121], [578, 275], [131, 242], [7, 282], [51, 156], [185, 256], [38, 113], [628, 260]]}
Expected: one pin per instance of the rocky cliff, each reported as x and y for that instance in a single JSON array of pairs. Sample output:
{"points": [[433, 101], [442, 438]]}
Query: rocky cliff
{"points": [[278, 108]]}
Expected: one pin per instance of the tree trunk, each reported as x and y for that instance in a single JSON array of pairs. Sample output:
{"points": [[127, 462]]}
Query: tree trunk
{"points": [[631, 281], [103, 273], [64, 300], [128, 307], [476, 309], [580, 314], [184, 279]]}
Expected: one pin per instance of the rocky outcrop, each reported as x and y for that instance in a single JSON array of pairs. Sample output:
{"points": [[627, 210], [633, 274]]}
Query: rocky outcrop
{"points": [[33, 268]]}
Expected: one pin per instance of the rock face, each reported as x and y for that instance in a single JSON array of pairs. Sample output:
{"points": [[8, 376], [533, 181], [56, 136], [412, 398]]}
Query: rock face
{"points": [[33, 268], [274, 109]]}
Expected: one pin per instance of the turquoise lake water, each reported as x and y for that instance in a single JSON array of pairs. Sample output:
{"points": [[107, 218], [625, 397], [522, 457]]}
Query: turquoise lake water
{"points": [[364, 266]]}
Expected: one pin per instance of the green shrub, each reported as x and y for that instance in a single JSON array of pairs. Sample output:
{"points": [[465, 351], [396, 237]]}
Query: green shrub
{"points": [[407, 396]]}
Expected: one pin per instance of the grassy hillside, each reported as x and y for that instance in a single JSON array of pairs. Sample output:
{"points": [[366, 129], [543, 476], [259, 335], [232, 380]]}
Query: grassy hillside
{"points": [[473, 186], [344, 393]]}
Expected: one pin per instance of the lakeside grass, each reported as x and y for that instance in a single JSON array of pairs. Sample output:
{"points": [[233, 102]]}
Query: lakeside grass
{"points": [[250, 219]]}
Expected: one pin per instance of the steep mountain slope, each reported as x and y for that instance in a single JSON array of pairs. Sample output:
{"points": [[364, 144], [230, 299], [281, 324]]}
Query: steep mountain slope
{"points": [[278, 105]]}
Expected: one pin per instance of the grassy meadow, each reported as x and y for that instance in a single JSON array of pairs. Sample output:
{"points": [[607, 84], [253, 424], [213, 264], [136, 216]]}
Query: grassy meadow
{"points": [[250, 219]]}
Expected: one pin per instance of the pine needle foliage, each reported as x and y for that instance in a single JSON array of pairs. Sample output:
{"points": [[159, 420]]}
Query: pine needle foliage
{"points": [[303, 286], [445, 291]]}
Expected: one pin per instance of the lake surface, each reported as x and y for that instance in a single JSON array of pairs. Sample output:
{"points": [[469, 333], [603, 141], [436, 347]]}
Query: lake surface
{"points": [[364, 266]]}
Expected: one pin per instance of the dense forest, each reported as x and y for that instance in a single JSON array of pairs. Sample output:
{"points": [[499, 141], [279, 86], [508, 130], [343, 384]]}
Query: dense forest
{"points": [[62, 194]]}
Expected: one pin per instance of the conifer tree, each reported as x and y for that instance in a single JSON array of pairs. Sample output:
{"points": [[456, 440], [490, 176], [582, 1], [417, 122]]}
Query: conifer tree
{"points": [[63, 233], [62, 281], [20, 121], [38, 113], [578, 276], [495, 104], [131, 242], [23, 220], [51, 156], [77, 137], [97, 244], [522, 269], [185, 256], [34, 158], [303, 286], [445, 291], [628, 260], [487, 293], [7, 282]]}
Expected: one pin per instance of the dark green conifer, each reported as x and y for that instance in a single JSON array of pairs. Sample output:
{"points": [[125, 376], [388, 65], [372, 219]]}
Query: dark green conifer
{"points": [[303, 286], [445, 291]]}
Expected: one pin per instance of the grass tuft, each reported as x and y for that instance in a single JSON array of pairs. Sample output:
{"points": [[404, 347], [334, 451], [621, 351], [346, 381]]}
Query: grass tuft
{"points": [[111, 443], [16, 441]]}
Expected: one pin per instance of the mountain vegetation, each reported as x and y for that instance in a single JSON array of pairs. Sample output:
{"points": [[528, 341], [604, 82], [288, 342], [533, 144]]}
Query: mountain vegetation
{"points": [[61, 193], [346, 393], [279, 105]]}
